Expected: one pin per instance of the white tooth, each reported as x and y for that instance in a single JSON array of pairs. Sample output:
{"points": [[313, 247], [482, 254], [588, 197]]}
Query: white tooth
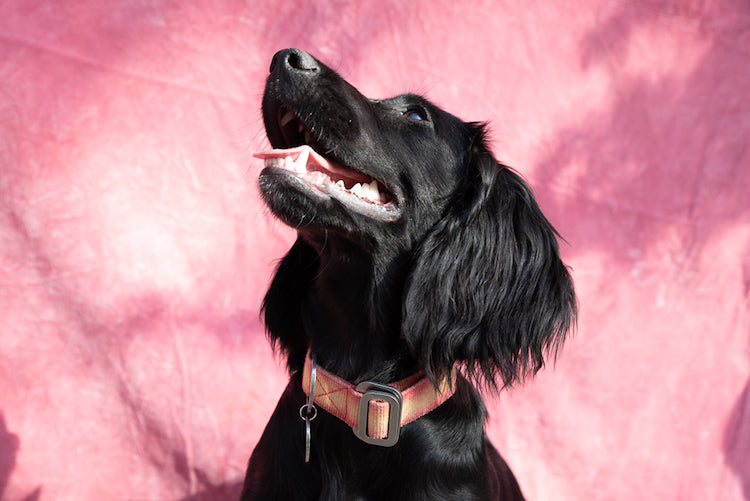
{"points": [[288, 117], [301, 164], [367, 191], [357, 189], [374, 190], [340, 184], [288, 163]]}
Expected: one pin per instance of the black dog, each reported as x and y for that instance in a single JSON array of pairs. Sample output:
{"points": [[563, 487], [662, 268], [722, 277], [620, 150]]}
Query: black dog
{"points": [[417, 253]]}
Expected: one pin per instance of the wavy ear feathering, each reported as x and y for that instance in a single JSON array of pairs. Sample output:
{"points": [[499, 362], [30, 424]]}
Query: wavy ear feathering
{"points": [[487, 287]]}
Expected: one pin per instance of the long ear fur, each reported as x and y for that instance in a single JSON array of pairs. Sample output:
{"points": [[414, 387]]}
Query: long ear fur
{"points": [[487, 287], [284, 299]]}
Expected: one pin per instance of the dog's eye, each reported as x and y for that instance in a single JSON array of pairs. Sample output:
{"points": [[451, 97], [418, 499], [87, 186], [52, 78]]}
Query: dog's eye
{"points": [[416, 113]]}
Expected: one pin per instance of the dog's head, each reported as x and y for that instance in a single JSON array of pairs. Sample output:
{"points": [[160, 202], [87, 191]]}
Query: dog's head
{"points": [[455, 237]]}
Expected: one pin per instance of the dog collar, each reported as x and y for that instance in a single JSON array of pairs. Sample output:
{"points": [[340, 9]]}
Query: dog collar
{"points": [[375, 412]]}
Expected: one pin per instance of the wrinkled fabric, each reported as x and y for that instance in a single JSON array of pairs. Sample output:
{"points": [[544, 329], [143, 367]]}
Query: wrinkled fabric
{"points": [[135, 250]]}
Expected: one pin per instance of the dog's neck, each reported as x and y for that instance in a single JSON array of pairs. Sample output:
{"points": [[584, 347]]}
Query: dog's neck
{"points": [[353, 325]]}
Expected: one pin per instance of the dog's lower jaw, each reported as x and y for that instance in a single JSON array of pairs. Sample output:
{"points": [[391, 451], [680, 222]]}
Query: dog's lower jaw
{"points": [[317, 216]]}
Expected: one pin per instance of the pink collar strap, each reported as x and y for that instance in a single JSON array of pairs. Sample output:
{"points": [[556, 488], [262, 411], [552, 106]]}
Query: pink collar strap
{"points": [[376, 412]]}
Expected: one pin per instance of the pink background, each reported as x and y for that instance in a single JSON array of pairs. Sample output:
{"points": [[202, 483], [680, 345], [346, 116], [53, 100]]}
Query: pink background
{"points": [[134, 250]]}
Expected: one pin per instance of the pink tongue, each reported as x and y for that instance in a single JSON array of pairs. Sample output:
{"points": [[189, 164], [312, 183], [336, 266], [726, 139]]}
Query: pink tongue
{"points": [[313, 158]]}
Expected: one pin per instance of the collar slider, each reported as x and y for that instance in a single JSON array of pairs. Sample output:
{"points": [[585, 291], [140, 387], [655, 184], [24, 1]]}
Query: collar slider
{"points": [[375, 412], [389, 395]]}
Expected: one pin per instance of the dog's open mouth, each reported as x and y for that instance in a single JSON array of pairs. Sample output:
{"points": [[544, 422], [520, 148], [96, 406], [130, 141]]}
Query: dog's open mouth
{"points": [[352, 188]]}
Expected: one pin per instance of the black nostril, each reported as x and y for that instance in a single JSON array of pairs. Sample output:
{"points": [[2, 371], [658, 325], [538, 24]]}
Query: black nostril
{"points": [[294, 59], [301, 60]]}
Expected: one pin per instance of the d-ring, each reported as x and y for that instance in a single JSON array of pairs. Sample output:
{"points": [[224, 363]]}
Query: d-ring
{"points": [[305, 413]]}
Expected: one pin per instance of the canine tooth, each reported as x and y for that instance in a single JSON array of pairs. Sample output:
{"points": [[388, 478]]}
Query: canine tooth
{"points": [[301, 164], [288, 117], [367, 191], [374, 191]]}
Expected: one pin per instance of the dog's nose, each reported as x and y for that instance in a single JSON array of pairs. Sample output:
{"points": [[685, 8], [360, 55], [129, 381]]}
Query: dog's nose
{"points": [[293, 60]]}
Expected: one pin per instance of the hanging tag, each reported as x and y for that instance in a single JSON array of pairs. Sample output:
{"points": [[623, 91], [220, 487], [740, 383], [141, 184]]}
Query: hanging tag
{"points": [[307, 440]]}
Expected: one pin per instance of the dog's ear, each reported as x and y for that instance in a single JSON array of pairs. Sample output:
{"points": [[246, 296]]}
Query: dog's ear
{"points": [[488, 288], [284, 300]]}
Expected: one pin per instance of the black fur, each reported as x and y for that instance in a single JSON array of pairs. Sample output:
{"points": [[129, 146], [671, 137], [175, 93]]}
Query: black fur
{"points": [[461, 267]]}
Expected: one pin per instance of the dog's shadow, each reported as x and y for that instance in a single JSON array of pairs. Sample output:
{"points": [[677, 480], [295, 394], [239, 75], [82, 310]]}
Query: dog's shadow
{"points": [[229, 491], [10, 444], [737, 441]]}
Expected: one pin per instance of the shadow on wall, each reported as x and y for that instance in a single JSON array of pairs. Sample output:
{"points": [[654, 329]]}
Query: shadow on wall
{"points": [[228, 491], [737, 437], [664, 170], [9, 447], [737, 441], [654, 163]]}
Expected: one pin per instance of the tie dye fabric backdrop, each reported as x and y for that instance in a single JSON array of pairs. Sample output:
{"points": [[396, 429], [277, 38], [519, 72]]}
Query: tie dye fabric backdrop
{"points": [[134, 249]]}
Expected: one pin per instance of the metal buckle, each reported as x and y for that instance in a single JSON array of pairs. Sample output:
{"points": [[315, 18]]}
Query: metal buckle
{"points": [[394, 399]]}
